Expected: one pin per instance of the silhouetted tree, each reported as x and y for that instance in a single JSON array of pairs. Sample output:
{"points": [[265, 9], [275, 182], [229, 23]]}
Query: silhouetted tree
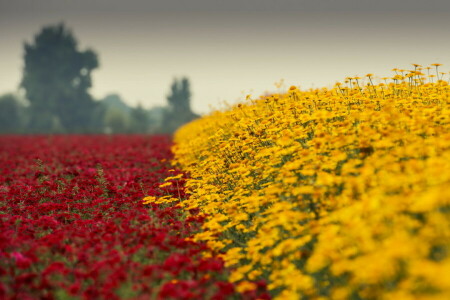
{"points": [[56, 80], [11, 114], [156, 117], [180, 96], [179, 111], [139, 120], [116, 101], [116, 121]]}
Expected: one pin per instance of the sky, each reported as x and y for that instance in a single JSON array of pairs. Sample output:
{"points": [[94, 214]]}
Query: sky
{"points": [[231, 48]]}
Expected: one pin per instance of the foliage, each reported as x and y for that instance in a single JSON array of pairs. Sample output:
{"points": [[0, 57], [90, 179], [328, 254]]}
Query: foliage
{"points": [[139, 122], [156, 117], [179, 111], [56, 80], [180, 95], [119, 117], [339, 193], [11, 114], [116, 121], [116, 101]]}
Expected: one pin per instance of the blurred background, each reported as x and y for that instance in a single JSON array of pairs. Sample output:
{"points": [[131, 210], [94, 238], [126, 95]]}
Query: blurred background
{"points": [[137, 66]]}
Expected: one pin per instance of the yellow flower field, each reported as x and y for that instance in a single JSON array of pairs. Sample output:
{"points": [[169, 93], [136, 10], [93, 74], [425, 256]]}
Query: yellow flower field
{"points": [[332, 193]]}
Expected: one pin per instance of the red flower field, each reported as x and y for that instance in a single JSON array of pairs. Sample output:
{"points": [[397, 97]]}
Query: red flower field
{"points": [[73, 226]]}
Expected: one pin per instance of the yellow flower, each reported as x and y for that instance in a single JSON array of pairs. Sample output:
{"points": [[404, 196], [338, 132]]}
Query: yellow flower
{"points": [[245, 286], [345, 180], [165, 184], [149, 199], [179, 176]]}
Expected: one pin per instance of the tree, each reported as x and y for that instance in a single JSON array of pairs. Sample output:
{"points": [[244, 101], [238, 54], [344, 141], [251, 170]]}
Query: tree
{"points": [[180, 96], [139, 120], [56, 80], [11, 117], [116, 121], [179, 101]]}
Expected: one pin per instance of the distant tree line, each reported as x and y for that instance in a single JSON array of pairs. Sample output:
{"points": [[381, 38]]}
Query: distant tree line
{"points": [[55, 95]]}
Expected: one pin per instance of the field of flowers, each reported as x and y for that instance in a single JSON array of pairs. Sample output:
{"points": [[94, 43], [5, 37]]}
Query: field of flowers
{"points": [[73, 225], [332, 193]]}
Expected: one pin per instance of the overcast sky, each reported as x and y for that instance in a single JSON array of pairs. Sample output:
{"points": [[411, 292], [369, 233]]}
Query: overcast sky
{"points": [[225, 5], [230, 48]]}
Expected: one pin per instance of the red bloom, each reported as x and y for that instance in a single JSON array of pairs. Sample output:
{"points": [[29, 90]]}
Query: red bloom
{"points": [[72, 221], [22, 262]]}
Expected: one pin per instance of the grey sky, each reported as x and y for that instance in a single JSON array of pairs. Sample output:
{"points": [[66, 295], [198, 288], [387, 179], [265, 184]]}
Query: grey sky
{"points": [[231, 48], [227, 5]]}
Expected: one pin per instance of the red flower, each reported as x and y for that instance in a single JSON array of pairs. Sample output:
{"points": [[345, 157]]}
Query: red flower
{"points": [[72, 209], [22, 262]]}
